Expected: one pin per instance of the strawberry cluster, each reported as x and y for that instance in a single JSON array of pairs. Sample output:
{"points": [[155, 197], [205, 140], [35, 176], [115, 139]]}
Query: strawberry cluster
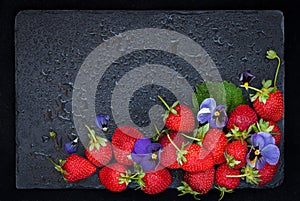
{"points": [[214, 146]]}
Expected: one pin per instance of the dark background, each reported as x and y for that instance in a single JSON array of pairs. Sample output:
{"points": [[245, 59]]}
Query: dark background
{"points": [[8, 9]]}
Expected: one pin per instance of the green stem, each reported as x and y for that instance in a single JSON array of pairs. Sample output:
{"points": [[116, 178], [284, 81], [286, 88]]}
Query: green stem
{"points": [[253, 88], [171, 141], [221, 195], [164, 102], [92, 133], [189, 137], [279, 62], [236, 176]]}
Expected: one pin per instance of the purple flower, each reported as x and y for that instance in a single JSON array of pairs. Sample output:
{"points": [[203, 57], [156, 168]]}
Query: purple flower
{"points": [[102, 122], [246, 78], [146, 153], [263, 150], [215, 115], [71, 146]]}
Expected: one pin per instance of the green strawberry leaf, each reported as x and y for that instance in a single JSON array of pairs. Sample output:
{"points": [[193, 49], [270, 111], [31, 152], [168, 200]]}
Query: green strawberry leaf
{"points": [[225, 93]]}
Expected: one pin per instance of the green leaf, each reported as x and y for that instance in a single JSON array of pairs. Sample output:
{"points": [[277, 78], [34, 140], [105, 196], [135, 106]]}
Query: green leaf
{"points": [[225, 93], [267, 84], [195, 103]]}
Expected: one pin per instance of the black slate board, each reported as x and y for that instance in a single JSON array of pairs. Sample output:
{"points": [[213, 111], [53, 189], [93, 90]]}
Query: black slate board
{"points": [[51, 46]]}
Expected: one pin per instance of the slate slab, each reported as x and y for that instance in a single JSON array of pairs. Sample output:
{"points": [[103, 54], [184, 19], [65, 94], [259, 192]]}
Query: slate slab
{"points": [[52, 46]]}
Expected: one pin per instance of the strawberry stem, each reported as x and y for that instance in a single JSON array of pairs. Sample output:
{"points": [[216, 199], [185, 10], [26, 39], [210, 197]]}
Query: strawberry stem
{"points": [[189, 137], [164, 102], [92, 133], [171, 141], [278, 66], [253, 88]]}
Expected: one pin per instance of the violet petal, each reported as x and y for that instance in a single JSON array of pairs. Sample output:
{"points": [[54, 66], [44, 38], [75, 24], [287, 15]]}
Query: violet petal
{"points": [[140, 146], [271, 154]]}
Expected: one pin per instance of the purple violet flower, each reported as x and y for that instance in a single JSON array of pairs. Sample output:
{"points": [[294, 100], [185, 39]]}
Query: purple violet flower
{"points": [[263, 151], [246, 78], [71, 146], [102, 122], [147, 154], [215, 115]]}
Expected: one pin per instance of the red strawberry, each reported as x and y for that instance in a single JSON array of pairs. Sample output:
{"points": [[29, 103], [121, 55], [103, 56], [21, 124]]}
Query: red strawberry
{"points": [[276, 132], [215, 141], [74, 168], [267, 173], [99, 150], [123, 141], [156, 181], [236, 153], [200, 182], [272, 108], [259, 177], [168, 157], [197, 159], [224, 181], [242, 117], [269, 127], [179, 117], [111, 177]]}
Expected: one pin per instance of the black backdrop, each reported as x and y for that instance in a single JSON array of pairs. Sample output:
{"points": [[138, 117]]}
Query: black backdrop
{"points": [[8, 9]]}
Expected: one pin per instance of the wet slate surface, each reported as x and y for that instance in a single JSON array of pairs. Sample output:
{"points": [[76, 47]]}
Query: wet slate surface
{"points": [[51, 46]]}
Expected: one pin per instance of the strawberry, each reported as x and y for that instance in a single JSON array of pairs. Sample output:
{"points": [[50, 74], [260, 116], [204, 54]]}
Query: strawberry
{"points": [[276, 132], [111, 177], [236, 153], [74, 168], [156, 181], [197, 158], [267, 173], [269, 127], [272, 108], [242, 117], [99, 150], [268, 101], [259, 177], [224, 181], [179, 117], [200, 182], [168, 157], [123, 141], [215, 141]]}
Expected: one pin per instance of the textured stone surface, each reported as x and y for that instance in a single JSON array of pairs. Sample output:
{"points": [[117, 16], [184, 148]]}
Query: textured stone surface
{"points": [[51, 46]]}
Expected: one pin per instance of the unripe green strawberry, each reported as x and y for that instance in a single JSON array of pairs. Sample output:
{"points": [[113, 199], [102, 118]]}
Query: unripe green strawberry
{"points": [[236, 153], [156, 181]]}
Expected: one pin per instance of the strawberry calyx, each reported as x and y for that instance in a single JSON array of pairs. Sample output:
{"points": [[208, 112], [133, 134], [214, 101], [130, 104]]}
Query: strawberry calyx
{"points": [[263, 94], [59, 167], [250, 175], [179, 152], [263, 126], [169, 109], [231, 161], [186, 189], [236, 134], [223, 190], [95, 141]]}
